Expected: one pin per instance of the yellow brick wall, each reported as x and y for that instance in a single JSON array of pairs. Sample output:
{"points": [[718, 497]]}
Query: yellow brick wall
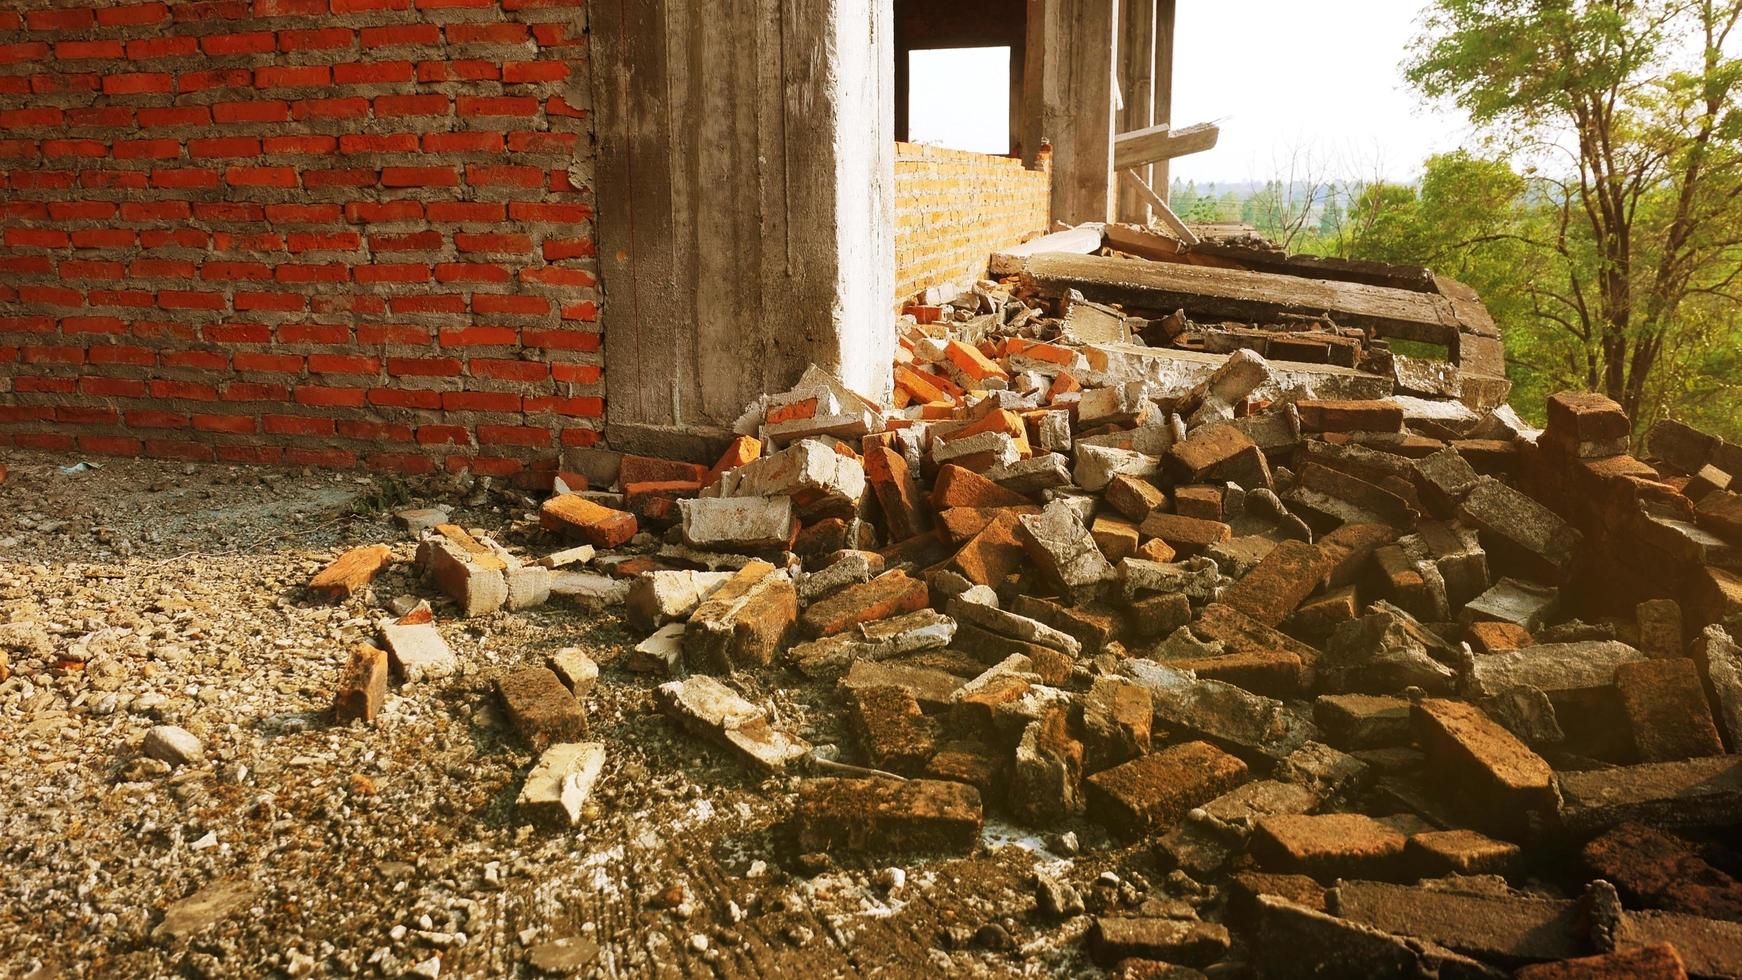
{"points": [[954, 208]]}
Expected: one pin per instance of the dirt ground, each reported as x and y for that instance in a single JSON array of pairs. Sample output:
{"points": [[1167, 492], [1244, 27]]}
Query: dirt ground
{"points": [[141, 593]]}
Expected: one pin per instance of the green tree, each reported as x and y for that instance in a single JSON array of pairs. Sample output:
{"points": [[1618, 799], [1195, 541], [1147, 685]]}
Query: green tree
{"points": [[1644, 226]]}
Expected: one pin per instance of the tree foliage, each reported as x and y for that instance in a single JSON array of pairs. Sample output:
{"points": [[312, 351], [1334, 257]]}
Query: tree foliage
{"points": [[1626, 237]]}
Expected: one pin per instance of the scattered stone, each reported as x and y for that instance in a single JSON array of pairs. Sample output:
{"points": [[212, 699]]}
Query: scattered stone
{"points": [[176, 746], [205, 908], [1170, 940], [575, 669]]}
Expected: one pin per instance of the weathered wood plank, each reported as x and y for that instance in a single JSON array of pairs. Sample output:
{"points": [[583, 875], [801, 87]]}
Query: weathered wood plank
{"points": [[1162, 211], [1143, 243], [1249, 297], [1159, 142]]}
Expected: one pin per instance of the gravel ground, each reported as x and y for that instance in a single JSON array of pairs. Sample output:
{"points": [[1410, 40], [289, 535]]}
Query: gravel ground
{"points": [[144, 593]]}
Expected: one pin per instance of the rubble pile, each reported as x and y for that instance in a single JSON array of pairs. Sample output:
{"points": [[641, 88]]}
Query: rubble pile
{"points": [[1366, 675]]}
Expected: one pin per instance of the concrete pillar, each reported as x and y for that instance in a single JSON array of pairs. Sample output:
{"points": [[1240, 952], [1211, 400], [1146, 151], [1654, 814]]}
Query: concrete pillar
{"points": [[1074, 101], [745, 180], [1137, 87]]}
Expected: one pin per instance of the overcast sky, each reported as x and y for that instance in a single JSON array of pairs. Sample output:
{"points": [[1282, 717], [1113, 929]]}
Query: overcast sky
{"points": [[1322, 78], [1285, 80]]}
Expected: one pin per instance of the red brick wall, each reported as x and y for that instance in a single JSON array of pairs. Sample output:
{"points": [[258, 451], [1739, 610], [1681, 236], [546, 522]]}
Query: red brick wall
{"points": [[331, 232], [954, 208]]}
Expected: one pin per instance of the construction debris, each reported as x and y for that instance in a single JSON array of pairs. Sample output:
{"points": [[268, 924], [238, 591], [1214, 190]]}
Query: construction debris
{"points": [[1344, 668]]}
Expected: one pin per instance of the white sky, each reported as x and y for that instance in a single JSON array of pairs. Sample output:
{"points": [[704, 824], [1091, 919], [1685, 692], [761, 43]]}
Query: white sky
{"points": [[1321, 79], [1315, 84]]}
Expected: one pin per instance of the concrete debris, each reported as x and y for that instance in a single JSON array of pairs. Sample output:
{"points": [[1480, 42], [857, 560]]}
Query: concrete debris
{"points": [[1276, 618], [557, 788], [709, 707]]}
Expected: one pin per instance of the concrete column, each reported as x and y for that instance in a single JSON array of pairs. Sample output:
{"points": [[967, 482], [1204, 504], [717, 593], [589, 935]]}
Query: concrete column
{"points": [[1079, 55], [746, 195]]}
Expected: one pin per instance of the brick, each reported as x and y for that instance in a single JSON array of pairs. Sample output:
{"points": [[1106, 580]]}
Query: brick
{"points": [[560, 783], [362, 685], [1666, 708], [742, 451], [904, 513], [991, 556], [1328, 846], [956, 486], [742, 623], [1134, 497], [1279, 583], [708, 707], [886, 817], [1655, 869], [1172, 944], [890, 594], [541, 709], [1206, 450], [1487, 767], [351, 571], [1497, 637], [1117, 539], [1064, 549], [465, 569], [417, 652], [1655, 962], [975, 365], [1186, 535], [575, 516], [1460, 852], [1155, 791], [894, 733], [1349, 416], [741, 524]]}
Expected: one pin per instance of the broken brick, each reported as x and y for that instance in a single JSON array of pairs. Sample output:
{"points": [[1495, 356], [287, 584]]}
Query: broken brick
{"points": [[1666, 708], [1185, 535], [1349, 416], [903, 513], [1285, 577], [887, 817], [887, 595], [362, 685], [1328, 845], [1154, 791], [577, 517], [540, 707], [351, 571]]}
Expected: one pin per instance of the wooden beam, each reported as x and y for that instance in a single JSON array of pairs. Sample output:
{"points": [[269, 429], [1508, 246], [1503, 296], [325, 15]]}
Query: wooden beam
{"points": [[1077, 105], [1145, 146], [1080, 240], [1162, 211], [1247, 297]]}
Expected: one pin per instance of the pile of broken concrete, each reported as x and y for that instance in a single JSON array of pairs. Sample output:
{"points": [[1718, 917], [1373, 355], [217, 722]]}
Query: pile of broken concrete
{"points": [[1383, 683]]}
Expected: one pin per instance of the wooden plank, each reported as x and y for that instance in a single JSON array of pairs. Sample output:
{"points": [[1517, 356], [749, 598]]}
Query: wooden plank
{"points": [[1246, 297], [1080, 240], [1144, 146], [1143, 243], [1077, 106], [1162, 211]]}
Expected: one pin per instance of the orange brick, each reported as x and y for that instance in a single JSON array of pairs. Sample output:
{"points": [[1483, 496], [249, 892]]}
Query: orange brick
{"points": [[744, 449], [352, 570], [575, 516], [972, 363]]}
